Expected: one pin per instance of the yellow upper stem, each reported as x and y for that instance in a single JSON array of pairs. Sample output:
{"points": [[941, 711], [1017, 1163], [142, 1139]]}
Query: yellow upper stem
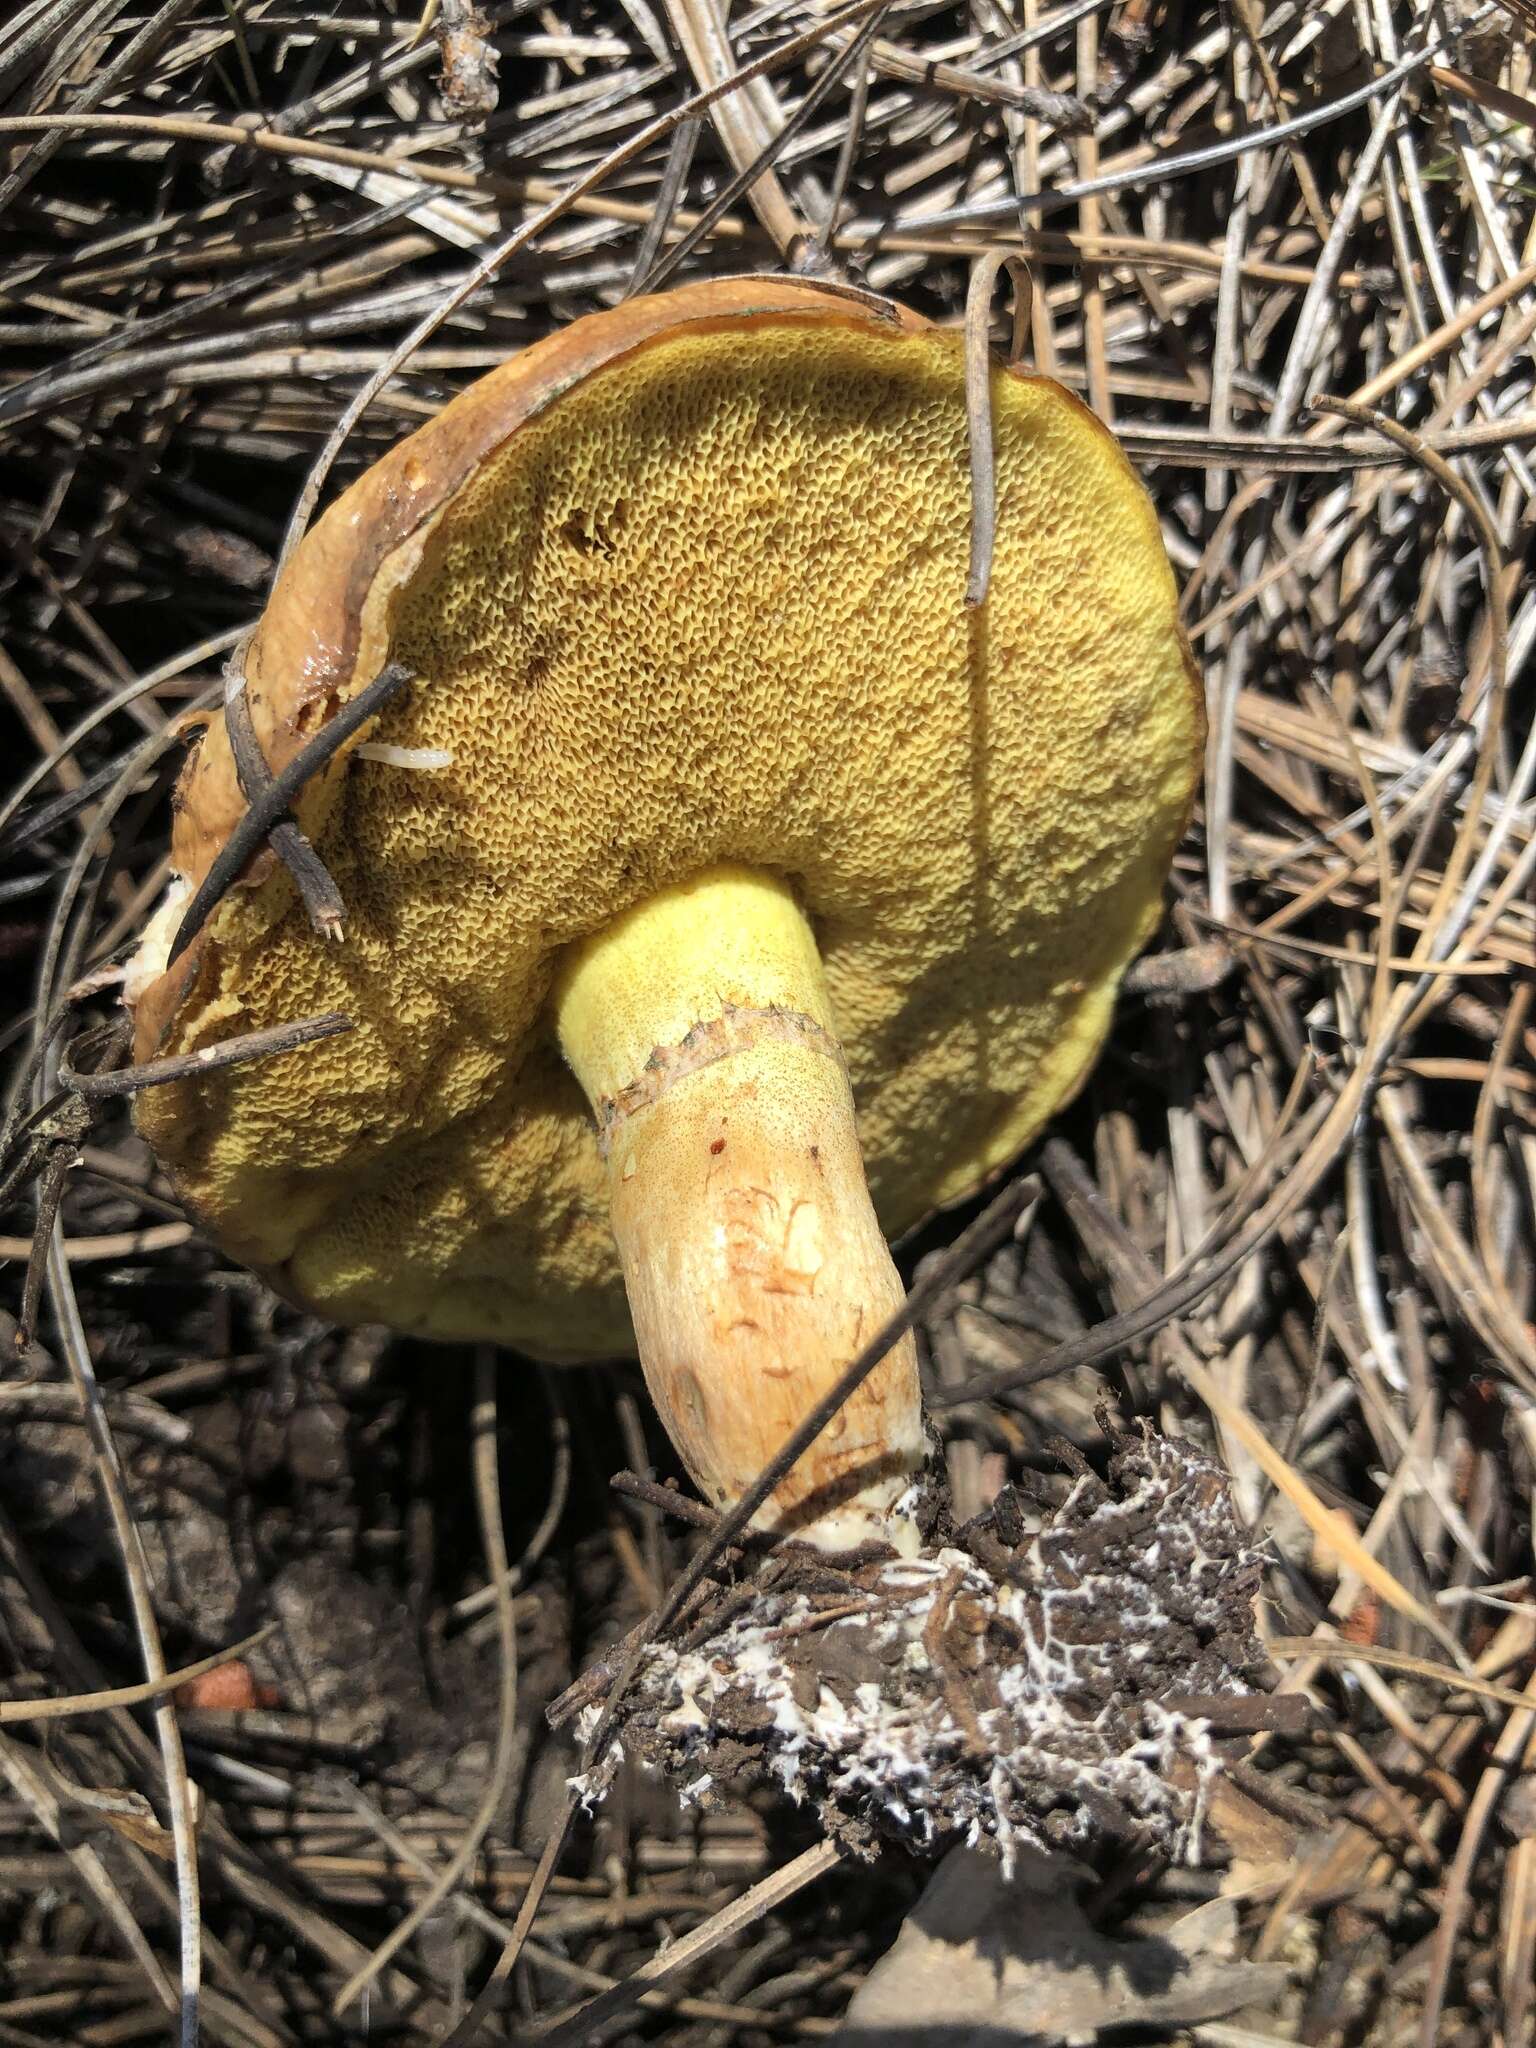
{"points": [[699, 1026]]}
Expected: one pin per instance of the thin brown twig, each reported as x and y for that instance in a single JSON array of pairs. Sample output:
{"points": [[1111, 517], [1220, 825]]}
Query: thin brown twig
{"points": [[267, 1044], [978, 401], [73, 1705], [317, 890], [269, 808]]}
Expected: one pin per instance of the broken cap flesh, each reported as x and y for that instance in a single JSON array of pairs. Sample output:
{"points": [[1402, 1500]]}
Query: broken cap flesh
{"points": [[770, 897]]}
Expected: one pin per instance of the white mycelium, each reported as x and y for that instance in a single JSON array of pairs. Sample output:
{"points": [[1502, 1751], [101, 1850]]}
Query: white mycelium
{"points": [[937, 1700], [932, 1698], [890, 1745]]}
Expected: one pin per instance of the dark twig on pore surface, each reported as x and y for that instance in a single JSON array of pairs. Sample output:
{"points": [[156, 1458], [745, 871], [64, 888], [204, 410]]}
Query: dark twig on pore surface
{"points": [[228, 1052], [269, 809], [311, 877]]}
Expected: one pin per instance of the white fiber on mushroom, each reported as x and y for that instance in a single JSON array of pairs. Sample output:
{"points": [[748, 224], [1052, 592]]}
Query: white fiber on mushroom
{"points": [[425, 760]]}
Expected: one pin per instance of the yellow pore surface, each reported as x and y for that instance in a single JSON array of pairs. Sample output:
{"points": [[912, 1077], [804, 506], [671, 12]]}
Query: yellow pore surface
{"points": [[705, 608]]}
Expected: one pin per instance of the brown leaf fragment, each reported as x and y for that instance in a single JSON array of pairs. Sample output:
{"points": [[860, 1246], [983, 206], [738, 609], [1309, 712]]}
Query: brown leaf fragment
{"points": [[1000, 1962]]}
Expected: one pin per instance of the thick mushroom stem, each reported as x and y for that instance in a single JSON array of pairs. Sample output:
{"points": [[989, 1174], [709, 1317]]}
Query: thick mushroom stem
{"points": [[700, 1027]]}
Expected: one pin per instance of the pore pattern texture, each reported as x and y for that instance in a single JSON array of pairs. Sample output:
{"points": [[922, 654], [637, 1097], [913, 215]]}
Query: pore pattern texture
{"points": [[704, 605]]}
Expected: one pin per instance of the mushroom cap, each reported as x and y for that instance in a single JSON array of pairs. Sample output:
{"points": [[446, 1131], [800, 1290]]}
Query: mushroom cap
{"points": [[682, 585]]}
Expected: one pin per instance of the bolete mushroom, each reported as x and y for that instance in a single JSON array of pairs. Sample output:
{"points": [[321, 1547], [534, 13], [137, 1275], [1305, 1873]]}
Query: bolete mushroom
{"points": [[769, 897]]}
